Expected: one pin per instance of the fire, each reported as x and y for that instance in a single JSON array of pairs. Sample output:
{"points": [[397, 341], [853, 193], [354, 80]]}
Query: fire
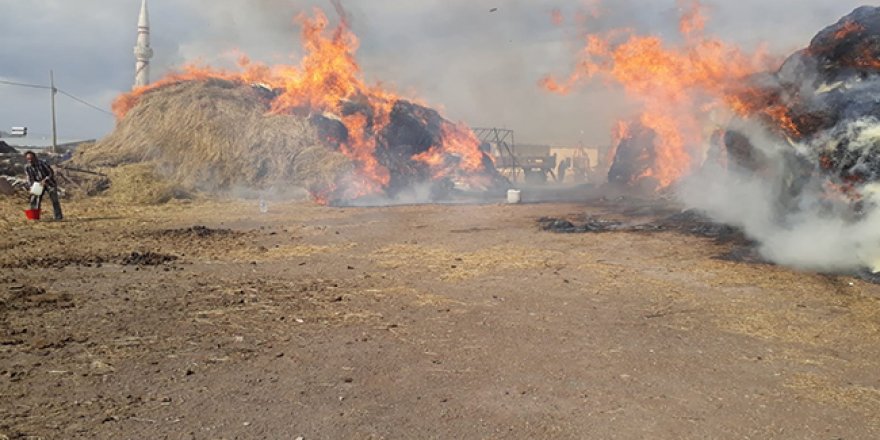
{"points": [[849, 28], [556, 17], [457, 142], [851, 32], [672, 160], [620, 132], [328, 80], [362, 149], [781, 115], [673, 83], [692, 22]]}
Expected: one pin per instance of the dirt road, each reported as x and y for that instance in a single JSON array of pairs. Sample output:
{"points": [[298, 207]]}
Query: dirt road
{"points": [[415, 322]]}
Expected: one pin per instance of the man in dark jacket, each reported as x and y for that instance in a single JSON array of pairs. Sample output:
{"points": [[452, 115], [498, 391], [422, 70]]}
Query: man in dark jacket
{"points": [[39, 171]]}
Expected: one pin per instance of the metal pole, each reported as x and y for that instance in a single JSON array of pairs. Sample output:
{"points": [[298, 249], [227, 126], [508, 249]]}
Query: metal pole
{"points": [[54, 127]]}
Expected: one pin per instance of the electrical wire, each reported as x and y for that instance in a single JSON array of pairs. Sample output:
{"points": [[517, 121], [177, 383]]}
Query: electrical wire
{"points": [[84, 102], [57, 90], [32, 86]]}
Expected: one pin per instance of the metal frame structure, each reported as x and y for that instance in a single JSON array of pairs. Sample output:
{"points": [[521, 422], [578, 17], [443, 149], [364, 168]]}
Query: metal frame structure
{"points": [[505, 141]]}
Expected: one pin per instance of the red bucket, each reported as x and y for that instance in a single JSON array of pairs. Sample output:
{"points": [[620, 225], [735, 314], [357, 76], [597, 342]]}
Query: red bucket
{"points": [[32, 214]]}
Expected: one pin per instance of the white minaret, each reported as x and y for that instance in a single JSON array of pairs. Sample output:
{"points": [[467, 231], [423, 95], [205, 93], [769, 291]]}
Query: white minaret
{"points": [[142, 51]]}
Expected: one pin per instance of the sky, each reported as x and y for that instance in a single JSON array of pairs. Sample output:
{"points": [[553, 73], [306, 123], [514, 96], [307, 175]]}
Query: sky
{"points": [[477, 66]]}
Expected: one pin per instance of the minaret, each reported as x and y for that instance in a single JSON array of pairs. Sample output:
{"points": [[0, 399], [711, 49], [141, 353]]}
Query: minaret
{"points": [[142, 51]]}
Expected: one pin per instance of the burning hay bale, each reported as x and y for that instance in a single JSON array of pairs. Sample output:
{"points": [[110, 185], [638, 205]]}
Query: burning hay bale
{"points": [[789, 152], [834, 81], [216, 135], [211, 136], [634, 157], [405, 152], [317, 125], [823, 103], [804, 155]]}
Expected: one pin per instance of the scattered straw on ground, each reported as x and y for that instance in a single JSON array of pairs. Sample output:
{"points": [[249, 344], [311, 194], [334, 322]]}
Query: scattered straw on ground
{"points": [[286, 252], [457, 266], [849, 396]]}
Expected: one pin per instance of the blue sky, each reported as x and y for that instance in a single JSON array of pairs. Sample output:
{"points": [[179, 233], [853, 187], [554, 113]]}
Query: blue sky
{"points": [[479, 67]]}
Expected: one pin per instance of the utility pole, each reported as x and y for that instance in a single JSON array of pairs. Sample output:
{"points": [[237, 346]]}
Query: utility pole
{"points": [[54, 127]]}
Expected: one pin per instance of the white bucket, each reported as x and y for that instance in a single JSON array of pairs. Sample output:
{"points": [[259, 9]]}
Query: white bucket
{"points": [[37, 189], [514, 196]]}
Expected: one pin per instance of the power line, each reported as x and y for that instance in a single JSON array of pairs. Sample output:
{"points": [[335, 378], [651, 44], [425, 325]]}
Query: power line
{"points": [[57, 90], [32, 86], [83, 102]]}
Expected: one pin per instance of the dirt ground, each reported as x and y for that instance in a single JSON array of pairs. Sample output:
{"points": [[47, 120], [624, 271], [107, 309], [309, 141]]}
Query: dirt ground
{"points": [[210, 320]]}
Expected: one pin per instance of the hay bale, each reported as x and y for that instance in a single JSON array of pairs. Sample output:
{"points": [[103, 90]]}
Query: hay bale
{"points": [[634, 156], [212, 136]]}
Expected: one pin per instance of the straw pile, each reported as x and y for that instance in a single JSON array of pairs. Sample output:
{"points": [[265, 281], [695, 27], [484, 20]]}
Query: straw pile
{"points": [[210, 136]]}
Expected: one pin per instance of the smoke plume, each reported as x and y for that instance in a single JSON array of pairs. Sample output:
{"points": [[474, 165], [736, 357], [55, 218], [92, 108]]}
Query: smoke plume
{"points": [[808, 232]]}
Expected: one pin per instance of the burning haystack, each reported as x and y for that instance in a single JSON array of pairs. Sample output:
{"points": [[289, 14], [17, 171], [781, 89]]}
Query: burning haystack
{"points": [[316, 125], [674, 85], [825, 103], [214, 135], [790, 154], [822, 105], [802, 159], [633, 156]]}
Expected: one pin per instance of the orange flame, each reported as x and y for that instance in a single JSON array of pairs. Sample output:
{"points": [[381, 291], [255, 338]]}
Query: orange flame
{"points": [[459, 142], [327, 79], [692, 22], [557, 18], [618, 134], [673, 83], [362, 149], [782, 117], [866, 58], [848, 28]]}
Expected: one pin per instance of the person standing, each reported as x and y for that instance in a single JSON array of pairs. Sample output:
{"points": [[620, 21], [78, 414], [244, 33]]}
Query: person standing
{"points": [[39, 171]]}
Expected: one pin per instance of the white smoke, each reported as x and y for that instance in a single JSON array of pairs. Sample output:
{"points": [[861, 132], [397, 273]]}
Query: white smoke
{"points": [[803, 229]]}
